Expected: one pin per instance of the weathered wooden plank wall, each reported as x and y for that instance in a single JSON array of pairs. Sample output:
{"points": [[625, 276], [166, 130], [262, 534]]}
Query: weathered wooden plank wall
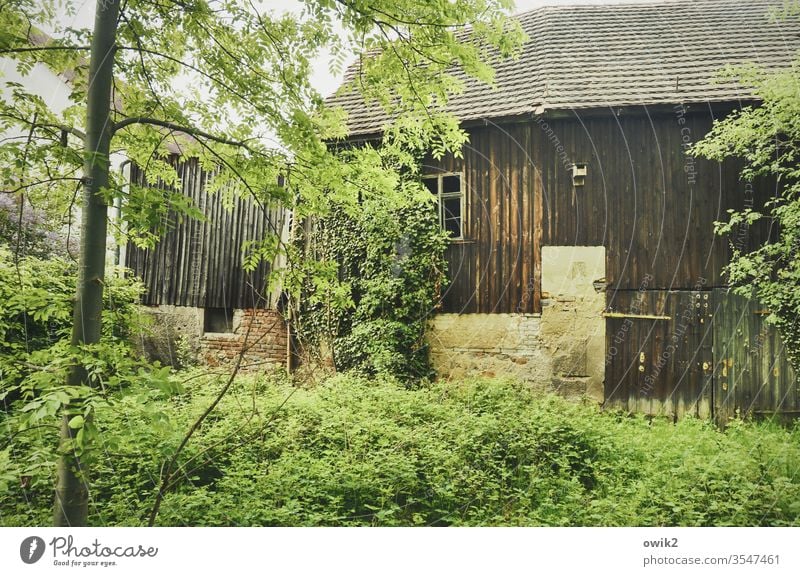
{"points": [[495, 268], [752, 374], [650, 205], [644, 200], [653, 208], [199, 263], [662, 365]]}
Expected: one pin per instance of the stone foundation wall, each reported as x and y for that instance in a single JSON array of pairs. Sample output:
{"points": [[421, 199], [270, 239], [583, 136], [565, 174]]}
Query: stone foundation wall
{"points": [[176, 337], [172, 335], [561, 350]]}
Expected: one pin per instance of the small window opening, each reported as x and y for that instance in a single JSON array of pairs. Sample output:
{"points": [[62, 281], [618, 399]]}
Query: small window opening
{"points": [[218, 320]]}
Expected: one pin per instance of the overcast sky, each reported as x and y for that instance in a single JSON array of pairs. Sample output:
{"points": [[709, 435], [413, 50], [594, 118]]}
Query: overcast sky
{"points": [[323, 80]]}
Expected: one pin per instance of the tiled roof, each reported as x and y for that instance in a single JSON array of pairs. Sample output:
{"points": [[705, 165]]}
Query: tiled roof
{"points": [[618, 55]]}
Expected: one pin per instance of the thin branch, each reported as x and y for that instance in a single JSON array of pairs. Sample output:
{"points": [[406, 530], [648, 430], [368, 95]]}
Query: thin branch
{"points": [[22, 49], [169, 474], [140, 50], [34, 125], [178, 128], [22, 187], [262, 206]]}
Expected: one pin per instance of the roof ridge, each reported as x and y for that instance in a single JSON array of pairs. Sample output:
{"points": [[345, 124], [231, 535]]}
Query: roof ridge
{"points": [[604, 5]]}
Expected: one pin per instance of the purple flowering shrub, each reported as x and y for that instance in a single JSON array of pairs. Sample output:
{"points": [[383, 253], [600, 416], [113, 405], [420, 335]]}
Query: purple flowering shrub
{"points": [[31, 233]]}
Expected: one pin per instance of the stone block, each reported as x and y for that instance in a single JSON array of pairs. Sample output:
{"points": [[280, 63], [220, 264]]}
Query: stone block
{"points": [[572, 361], [569, 271]]}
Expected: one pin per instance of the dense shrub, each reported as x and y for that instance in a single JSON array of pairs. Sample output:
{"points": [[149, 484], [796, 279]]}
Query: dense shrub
{"points": [[36, 303], [364, 452], [377, 277]]}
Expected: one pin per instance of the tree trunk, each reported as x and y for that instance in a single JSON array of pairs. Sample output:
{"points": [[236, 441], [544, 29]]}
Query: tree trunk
{"points": [[72, 487]]}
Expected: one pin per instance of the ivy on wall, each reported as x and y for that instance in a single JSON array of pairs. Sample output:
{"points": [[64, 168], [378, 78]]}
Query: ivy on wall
{"points": [[383, 273]]}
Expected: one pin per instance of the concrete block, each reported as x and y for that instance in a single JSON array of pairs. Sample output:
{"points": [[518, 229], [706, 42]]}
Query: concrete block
{"points": [[571, 270]]}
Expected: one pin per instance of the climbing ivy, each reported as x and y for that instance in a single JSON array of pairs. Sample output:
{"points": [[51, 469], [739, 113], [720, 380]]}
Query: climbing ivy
{"points": [[385, 271]]}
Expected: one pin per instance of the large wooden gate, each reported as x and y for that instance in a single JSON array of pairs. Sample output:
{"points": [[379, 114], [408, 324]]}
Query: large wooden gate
{"points": [[752, 374], [708, 353]]}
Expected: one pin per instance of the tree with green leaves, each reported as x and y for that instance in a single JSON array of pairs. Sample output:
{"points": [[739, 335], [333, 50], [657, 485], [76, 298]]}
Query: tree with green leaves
{"points": [[767, 138], [228, 81]]}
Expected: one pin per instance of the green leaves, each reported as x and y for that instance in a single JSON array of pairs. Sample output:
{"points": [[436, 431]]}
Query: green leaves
{"points": [[767, 138], [76, 422], [377, 279]]}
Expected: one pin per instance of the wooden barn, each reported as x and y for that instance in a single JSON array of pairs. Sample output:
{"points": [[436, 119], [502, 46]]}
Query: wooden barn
{"points": [[583, 255], [206, 306]]}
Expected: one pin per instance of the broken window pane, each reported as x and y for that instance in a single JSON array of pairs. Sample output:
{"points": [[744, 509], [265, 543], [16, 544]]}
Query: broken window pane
{"points": [[452, 216]]}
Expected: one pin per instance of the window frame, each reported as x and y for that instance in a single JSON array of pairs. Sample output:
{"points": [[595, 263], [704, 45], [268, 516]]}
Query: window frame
{"points": [[441, 196]]}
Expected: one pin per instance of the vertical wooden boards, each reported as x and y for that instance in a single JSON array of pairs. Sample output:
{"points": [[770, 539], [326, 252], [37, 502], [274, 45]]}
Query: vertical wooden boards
{"points": [[658, 352], [494, 269], [200, 263], [752, 374], [703, 353], [652, 206]]}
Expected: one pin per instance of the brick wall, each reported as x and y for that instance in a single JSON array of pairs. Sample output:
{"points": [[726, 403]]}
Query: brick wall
{"points": [[261, 332]]}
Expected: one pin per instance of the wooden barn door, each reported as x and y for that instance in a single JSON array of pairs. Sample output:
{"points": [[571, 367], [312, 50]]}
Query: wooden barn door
{"points": [[709, 353], [752, 376], [659, 357]]}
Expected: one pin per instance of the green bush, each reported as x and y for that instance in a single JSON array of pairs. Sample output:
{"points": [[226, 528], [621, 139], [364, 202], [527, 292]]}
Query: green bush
{"points": [[378, 276], [36, 304], [360, 452]]}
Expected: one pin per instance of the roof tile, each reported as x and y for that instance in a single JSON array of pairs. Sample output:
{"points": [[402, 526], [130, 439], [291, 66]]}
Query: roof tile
{"points": [[617, 55]]}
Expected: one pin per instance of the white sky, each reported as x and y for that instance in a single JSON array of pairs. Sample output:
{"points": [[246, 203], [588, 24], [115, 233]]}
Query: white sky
{"points": [[323, 80]]}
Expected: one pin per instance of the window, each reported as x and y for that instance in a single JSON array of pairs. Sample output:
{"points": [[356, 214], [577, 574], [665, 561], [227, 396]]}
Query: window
{"points": [[217, 320], [449, 193]]}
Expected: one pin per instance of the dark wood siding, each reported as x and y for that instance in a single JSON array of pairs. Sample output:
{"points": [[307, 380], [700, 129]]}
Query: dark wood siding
{"points": [[651, 206], [660, 365], [495, 269], [644, 200], [751, 371], [711, 352], [199, 263]]}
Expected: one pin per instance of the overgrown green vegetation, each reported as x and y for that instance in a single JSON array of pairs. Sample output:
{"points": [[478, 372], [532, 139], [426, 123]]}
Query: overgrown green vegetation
{"points": [[385, 271], [354, 451], [36, 300], [251, 113]]}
